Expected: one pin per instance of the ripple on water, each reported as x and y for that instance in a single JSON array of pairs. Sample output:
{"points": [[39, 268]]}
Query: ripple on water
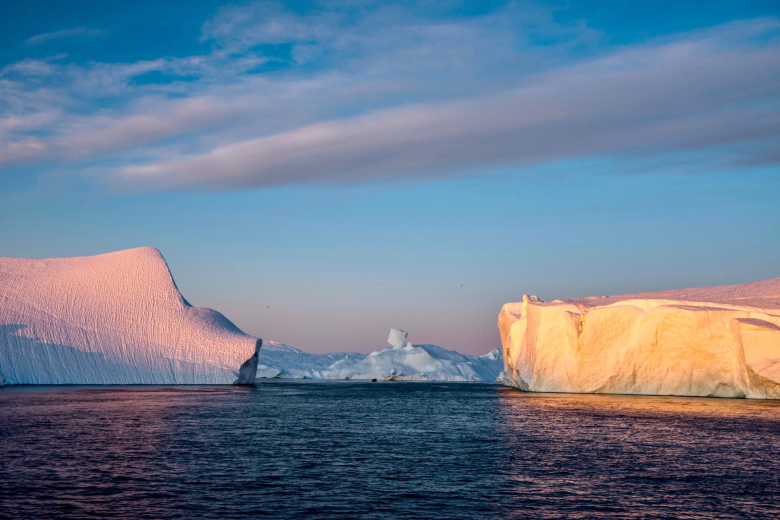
{"points": [[409, 450]]}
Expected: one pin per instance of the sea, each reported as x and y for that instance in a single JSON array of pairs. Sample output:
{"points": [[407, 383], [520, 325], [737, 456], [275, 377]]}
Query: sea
{"points": [[340, 450]]}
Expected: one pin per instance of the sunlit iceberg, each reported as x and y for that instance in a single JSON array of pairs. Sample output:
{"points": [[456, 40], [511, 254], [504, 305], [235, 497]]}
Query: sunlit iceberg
{"points": [[711, 341], [116, 318]]}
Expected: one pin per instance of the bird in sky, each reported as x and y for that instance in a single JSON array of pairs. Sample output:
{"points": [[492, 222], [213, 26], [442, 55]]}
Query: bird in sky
{"points": [[461, 285]]}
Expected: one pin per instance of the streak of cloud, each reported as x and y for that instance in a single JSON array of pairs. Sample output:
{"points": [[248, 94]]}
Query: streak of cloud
{"points": [[391, 92], [76, 31], [684, 95]]}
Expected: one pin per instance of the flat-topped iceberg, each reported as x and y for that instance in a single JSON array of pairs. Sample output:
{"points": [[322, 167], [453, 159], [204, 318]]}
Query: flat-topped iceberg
{"points": [[407, 363], [116, 318], [713, 341]]}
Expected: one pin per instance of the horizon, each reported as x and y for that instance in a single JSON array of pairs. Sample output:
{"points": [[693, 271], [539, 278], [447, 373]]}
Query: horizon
{"points": [[320, 172]]}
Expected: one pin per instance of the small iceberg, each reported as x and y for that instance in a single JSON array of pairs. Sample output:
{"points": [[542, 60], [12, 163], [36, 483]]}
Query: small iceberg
{"points": [[401, 362]]}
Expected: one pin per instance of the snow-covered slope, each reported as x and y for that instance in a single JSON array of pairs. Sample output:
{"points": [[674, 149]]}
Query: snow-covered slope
{"points": [[116, 318], [712, 341], [408, 363], [277, 360]]}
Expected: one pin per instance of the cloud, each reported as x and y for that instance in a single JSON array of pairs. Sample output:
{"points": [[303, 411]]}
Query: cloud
{"points": [[379, 37], [686, 95], [359, 72], [96, 135], [76, 31], [268, 22], [21, 149], [393, 92]]}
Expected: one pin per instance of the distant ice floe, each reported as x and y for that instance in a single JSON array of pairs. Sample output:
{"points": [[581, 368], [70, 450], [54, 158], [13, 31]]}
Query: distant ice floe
{"points": [[398, 363]]}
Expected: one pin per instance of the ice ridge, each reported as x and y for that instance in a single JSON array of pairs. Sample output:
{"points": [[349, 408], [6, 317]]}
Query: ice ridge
{"points": [[116, 318]]}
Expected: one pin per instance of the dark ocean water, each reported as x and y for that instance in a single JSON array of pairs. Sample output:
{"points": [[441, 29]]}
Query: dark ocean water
{"points": [[361, 450]]}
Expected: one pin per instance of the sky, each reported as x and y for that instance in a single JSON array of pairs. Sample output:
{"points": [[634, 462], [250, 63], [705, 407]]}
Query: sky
{"points": [[322, 171]]}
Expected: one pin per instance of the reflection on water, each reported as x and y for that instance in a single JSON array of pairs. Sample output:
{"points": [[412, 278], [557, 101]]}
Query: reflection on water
{"points": [[410, 450], [625, 457]]}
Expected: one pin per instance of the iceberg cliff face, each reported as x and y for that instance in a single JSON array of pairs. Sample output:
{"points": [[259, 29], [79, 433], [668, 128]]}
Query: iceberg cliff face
{"points": [[407, 363], [716, 341], [116, 318]]}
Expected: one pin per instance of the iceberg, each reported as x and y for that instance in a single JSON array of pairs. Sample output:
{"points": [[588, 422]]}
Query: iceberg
{"points": [[116, 318], [420, 363], [280, 361], [408, 363], [712, 341], [119, 318], [397, 338]]}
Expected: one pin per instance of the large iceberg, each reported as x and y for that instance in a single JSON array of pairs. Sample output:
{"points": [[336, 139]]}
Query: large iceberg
{"points": [[407, 363], [116, 318], [714, 341]]}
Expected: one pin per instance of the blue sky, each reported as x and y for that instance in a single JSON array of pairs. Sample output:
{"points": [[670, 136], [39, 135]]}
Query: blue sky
{"points": [[322, 171]]}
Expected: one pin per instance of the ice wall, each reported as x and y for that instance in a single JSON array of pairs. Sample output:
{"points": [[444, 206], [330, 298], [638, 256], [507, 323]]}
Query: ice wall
{"points": [[116, 318], [716, 341]]}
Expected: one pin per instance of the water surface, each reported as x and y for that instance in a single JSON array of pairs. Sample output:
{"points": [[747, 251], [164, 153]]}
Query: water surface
{"points": [[360, 450]]}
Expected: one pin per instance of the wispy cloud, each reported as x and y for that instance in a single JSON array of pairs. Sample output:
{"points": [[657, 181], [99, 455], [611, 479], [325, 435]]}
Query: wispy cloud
{"points": [[686, 95], [76, 31], [394, 92]]}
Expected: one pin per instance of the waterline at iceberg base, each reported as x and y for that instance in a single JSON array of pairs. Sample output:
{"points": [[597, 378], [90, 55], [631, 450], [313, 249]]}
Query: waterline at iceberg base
{"points": [[714, 342]]}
